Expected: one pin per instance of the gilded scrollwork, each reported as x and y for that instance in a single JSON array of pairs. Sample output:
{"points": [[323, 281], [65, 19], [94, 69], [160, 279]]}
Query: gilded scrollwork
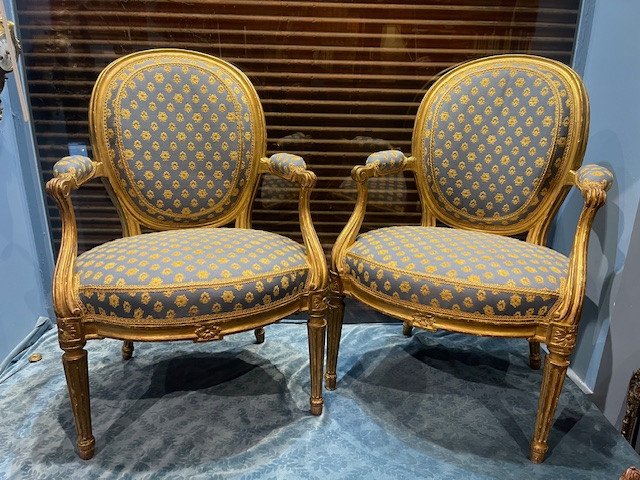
{"points": [[70, 333], [561, 336], [207, 333], [424, 321], [317, 302], [335, 285]]}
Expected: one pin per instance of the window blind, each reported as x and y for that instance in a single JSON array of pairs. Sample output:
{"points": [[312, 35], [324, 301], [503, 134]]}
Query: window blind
{"points": [[338, 81]]}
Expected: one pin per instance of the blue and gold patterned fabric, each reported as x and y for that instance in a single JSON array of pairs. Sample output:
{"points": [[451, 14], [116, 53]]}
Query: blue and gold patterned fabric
{"points": [[594, 175], [76, 166], [494, 141], [468, 274], [180, 135], [284, 163], [386, 161], [199, 272]]}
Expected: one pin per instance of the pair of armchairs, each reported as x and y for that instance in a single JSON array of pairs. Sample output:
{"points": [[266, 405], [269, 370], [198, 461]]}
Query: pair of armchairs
{"points": [[179, 140]]}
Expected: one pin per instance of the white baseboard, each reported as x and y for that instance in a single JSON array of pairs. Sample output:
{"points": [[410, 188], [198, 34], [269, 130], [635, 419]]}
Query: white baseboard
{"points": [[578, 381]]}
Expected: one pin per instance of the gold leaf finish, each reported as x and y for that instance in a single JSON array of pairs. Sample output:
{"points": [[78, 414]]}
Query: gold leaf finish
{"points": [[179, 141], [497, 144]]}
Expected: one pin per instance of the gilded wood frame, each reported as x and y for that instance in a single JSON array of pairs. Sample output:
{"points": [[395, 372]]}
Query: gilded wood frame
{"points": [[74, 328], [558, 329]]}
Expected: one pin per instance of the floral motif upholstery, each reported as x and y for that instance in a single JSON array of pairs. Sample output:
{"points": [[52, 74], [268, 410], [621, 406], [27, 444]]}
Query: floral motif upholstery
{"points": [[387, 160], [494, 141], [284, 163], [448, 271], [594, 175], [76, 166], [180, 136], [191, 273]]}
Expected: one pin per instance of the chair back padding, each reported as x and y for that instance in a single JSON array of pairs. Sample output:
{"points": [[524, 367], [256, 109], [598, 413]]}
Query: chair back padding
{"points": [[495, 139], [180, 133]]}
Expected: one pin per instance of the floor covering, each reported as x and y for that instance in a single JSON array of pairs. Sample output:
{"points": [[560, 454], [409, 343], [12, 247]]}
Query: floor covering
{"points": [[442, 406]]}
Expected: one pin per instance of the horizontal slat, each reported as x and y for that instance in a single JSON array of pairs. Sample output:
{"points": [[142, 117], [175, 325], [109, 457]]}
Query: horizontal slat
{"points": [[448, 17], [98, 36], [365, 7], [294, 51]]}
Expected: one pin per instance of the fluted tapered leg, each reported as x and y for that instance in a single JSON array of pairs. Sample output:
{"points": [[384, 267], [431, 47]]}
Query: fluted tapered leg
{"points": [[534, 355], [316, 327], [334, 331], [555, 368], [259, 333], [127, 350], [407, 328], [77, 374]]}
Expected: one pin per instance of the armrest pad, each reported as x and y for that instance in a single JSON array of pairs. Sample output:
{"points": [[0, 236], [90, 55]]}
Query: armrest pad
{"points": [[387, 162], [76, 166], [590, 176], [283, 163]]}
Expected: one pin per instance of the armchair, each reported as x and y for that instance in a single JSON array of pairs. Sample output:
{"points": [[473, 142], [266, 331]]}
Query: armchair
{"points": [[179, 141], [497, 143]]}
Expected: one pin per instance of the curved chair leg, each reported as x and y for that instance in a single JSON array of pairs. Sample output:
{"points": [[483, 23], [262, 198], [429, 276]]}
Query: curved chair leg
{"points": [[76, 371], [407, 328], [127, 350], [535, 360], [334, 331], [316, 331], [555, 368], [259, 333]]}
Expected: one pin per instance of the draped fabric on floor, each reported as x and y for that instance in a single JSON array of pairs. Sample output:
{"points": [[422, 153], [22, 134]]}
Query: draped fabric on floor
{"points": [[442, 406]]}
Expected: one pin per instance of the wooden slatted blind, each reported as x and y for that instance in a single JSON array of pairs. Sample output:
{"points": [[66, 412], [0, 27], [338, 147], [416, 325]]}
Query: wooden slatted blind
{"points": [[338, 80]]}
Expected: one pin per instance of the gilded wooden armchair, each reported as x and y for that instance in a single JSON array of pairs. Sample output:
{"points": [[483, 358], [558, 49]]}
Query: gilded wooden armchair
{"points": [[179, 141], [497, 143]]}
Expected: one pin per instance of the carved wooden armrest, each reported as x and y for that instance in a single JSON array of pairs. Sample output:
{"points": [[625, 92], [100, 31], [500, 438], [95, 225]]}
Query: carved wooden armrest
{"points": [[77, 169], [69, 174], [379, 164], [593, 181], [386, 162], [294, 169], [289, 167]]}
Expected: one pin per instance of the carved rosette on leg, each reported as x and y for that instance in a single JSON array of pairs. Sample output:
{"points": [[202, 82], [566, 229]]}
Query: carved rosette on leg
{"points": [[334, 328], [74, 360], [561, 338], [316, 330]]}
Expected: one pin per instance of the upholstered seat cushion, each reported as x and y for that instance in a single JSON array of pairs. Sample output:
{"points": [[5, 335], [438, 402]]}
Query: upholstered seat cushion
{"points": [[191, 272], [457, 272]]}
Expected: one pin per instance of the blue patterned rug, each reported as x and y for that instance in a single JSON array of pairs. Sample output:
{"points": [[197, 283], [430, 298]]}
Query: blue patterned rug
{"points": [[441, 406]]}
